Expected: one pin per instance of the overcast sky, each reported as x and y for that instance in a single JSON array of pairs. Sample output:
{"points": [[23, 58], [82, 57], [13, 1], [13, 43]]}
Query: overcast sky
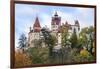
{"points": [[25, 16]]}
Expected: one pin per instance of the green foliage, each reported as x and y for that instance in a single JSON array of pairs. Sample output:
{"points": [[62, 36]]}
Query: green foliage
{"points": [[38, 55], [87, 37], [85, 57], [65, 35], [46, 55], [84, 53], [74, 39], [50, 40]]}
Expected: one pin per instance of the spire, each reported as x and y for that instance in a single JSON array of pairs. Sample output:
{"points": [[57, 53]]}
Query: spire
{"points": [[66, 23], [36, 25], [77, 23], [56, 14], [30, 29]]}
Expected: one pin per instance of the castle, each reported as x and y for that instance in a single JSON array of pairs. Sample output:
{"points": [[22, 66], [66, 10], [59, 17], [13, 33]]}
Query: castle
{"points": [[35, 32]]}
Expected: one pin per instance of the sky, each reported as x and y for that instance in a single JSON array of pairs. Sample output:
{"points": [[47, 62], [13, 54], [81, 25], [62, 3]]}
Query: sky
{"points": [[26, 14]]}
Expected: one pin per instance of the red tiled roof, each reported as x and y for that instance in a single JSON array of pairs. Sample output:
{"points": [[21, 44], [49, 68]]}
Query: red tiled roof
{"points": [[37, 30], [56, 19], [36, 25], [56, 14]]}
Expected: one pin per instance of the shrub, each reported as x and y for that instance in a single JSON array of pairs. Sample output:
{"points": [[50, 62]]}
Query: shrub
{"points": [[21, 59]]}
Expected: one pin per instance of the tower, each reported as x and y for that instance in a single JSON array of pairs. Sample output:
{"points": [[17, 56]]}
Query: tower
{"points": [[77, 24], [77, 27], [34, 33], [55, 22], [59, 37], [36, 25]]}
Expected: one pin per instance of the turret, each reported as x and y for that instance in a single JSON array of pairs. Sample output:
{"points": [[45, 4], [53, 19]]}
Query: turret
{"points": [[36, 25], [77, 24], [55, 22]]}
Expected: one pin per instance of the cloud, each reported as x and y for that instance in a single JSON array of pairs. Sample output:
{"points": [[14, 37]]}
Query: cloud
{"points": [[25, 16], [85, 16], [45, 20], [25, 9], [66, 17]]}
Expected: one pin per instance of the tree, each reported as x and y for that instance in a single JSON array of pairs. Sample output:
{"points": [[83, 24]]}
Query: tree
{"points": [[84, 53], [50, 40], [65, 35], [21, 59], [38, 55], [22, 42], [83, 37], [87, 37], [91, 38], [74, 39]]}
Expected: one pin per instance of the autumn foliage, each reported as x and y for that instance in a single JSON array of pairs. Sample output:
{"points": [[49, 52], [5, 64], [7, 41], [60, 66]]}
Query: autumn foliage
{"points": [[21, 59]]}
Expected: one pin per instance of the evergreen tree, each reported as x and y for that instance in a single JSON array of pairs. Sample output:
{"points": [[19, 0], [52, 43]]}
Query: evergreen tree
{"points": [[74, 39], [87, 35], [65, 35], [49, 40], [22, 42]]}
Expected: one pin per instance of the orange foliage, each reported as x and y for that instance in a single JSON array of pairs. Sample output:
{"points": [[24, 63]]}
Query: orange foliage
{"points": [[22, 60]]}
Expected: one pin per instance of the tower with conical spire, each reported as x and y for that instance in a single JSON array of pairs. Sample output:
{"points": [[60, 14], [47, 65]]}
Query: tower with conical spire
{"points": [[36, 25], [77, 24], [56, 27], [55, 22], [34, 33]]}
